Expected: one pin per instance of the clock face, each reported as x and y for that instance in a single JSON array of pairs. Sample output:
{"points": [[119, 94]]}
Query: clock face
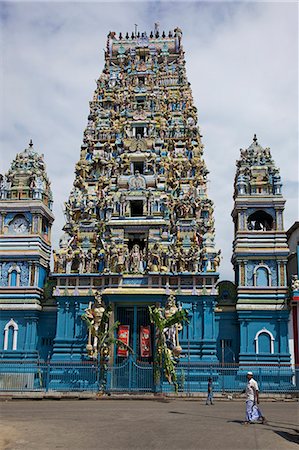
{"points": [[20, 225]]}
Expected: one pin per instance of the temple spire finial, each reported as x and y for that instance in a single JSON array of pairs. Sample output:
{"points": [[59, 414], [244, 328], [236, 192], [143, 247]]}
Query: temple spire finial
{"points": [[255, 138], [30, 143]]}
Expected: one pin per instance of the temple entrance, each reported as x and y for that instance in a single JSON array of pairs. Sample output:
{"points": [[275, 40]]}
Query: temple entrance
{"points": [[137, 319], [133, 371]]}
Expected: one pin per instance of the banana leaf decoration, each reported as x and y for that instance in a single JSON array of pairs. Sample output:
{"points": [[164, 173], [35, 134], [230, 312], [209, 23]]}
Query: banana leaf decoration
{"points": [[164, 319]]}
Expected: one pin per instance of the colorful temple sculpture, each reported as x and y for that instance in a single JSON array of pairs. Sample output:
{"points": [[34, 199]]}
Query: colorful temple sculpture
{"points": [[139, 224], [138, 245], [25, 250]]}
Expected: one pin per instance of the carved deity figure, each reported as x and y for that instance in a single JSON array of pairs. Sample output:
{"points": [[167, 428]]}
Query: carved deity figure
{"points": [[137, 181], [154, 263], [295, 283], [136, 260], [171, 333], [82, 258], [95, 314], [69, 259]]}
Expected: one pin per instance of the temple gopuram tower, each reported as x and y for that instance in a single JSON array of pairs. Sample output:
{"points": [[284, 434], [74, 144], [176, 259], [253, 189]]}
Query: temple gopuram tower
{"points": [[25, 250], [260, 253], [139, 223]]}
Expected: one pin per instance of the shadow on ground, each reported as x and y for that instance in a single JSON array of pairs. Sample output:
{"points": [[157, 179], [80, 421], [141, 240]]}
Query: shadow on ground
{"points": [[291, 437]]}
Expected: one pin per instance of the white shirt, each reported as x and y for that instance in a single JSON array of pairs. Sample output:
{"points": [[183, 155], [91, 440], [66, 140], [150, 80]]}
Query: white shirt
{"points": [[251, 387]]}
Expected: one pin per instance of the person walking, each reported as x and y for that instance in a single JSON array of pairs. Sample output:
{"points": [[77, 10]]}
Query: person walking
{"points": [[210, 392], [253, 412]]}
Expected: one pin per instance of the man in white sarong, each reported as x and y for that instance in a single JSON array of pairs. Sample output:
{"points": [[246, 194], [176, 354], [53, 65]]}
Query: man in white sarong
{"points": [[253, 412]]}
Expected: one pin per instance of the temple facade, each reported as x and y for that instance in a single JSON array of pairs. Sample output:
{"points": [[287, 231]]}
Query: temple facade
{"points": [[139, 232], [25, 251], [139, 223], [260, 255]]}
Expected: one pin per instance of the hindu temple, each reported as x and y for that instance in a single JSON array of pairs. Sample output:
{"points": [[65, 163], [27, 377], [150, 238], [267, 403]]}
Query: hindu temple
{"points": [[139, 234]]}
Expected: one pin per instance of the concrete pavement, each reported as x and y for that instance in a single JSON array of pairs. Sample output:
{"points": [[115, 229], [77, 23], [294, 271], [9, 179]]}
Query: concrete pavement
{"points": [[133, 424]]}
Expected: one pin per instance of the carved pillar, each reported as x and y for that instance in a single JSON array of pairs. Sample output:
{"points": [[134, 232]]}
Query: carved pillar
{"points": [[34, 224], [281, 273], [2, 216], [242, 273], [36, 273], [245, 273]]}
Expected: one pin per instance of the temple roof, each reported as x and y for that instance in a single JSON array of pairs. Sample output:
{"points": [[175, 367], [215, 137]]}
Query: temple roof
{"points": [[27, 177], [256, 172]]}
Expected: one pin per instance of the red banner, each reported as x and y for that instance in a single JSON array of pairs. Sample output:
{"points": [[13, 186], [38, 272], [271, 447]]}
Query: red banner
{"points": [[123, 336], [145, 342]]}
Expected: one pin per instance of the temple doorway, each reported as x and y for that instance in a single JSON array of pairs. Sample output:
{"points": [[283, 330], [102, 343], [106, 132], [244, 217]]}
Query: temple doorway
{"points": [[133, 370], [136, 318]]}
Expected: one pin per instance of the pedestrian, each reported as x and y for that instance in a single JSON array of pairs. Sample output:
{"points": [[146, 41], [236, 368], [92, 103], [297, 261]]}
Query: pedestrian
{"points": [[210, 392], [253, 412]]}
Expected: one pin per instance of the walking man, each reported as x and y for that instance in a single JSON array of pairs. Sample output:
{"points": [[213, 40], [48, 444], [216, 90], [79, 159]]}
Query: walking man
{"points": [[253, 412], [210, 392]]}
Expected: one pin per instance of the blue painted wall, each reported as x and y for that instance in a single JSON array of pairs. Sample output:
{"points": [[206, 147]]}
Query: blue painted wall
{"points": [[227, 329], [46, 333], [27, 334], [275, 322]]}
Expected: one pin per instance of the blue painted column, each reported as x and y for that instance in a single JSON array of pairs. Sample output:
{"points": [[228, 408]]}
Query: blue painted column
{"points": [[208, 336], [61, 349], [67, 322], [191, 336], [33, 343], [60, 320], [30, 342]]}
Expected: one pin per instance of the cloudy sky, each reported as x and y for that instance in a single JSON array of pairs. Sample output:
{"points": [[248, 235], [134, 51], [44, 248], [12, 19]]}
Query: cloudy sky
{"points": [[241, 62]]}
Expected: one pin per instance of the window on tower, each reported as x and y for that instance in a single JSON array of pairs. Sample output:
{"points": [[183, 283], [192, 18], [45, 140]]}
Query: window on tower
{"points": [[260, 221], [14, 275], [140, 131], [262, 277], [264, 343], [136, 208], [11, 335], [138, 166], [45, 226]]}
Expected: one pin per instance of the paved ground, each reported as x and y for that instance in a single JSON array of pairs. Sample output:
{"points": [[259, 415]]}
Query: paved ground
{"points": [[131, 424]]}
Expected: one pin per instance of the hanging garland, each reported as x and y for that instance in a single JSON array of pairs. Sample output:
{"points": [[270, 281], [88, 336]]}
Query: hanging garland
{"points": [[168, 322]]}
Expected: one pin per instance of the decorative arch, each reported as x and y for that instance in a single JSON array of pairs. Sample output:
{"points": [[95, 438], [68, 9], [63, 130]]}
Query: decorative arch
{"points": [[14, 274], [270, 336], [262, 275], [260, 221], [11, 324]]}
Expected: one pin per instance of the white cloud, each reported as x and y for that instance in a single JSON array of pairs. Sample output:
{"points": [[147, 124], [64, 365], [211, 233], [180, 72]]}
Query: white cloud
{"points": [[241, 62]]}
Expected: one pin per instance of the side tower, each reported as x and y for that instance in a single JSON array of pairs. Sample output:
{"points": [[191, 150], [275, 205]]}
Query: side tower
{"points": [[139, 223], [25, 249], [260, 253]]}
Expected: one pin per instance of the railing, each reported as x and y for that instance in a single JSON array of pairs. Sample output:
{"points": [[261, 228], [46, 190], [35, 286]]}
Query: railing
{"points": [[132, 376]]}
